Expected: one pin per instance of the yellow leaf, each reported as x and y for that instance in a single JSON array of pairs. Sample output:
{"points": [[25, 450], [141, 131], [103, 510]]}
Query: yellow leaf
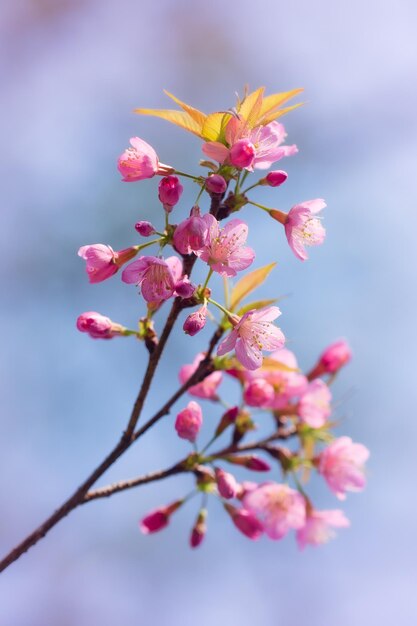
{"points": [[270, 103], [197, 115], [271, 365], [248, 283], [279, 113], [251, 107], [259, 304], [179, 118], [214, 126]]}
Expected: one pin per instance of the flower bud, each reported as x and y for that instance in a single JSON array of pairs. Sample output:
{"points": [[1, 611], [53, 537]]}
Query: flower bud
{"points": [[170, 190], [258, 392], [145, 228], [335, 356], [242, 154], [199, 529], [159, 519], [216, 184], [102, 261], [245, 521], [189, 421], [195, 321], [227, 484], [251, 462], [274, 179], [184, 288], [191, 234], [98, 326], [228, 418]]}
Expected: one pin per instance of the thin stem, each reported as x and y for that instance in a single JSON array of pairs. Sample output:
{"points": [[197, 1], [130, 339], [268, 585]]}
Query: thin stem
{"points": [[245, 191], [229, 314], [196, 178], [260, 206], [206, 282]]}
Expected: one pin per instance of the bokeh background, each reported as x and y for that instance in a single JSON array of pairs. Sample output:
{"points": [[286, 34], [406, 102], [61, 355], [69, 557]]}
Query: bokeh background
{"points": [[72, 72]]}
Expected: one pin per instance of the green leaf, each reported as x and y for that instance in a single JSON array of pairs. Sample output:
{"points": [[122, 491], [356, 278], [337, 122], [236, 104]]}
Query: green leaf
{"points": [[249, 283], [179, 118]]}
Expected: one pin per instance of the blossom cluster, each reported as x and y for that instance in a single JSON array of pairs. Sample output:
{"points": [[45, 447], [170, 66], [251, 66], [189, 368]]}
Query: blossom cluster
{"points": [[235, 145]]}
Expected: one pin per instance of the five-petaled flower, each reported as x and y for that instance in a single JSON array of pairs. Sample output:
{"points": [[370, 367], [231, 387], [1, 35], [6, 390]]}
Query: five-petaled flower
{"points": [[140, 161], [253, 333], [224, 250], [342, 465]]}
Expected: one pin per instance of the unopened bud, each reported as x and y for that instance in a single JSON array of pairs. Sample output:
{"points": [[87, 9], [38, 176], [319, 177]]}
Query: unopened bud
{"points": [[195, 321], [170, 190], [199, 529], [216, 184], [159, 519], [274, 179], [228, 418], [245, 521], [227, 484], [145, 228], [189, 421], [242, 154]]}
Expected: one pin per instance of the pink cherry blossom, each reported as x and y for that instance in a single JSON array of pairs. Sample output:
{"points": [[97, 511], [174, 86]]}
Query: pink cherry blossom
{"points": [[286, 383], [103, 261], [252, 334], [268, 149], [245, 521], [278, 507], [159, 279], [170, 190], [224, 250], [227, 484], [242, 154], [258, 392], [159, 518], [258, 148], [189, 421], [98, 326], [195, 321], [140, 161], [314, 405], [319, 525], [342, 465], [207, 388], [191, 234], [302, 228]]}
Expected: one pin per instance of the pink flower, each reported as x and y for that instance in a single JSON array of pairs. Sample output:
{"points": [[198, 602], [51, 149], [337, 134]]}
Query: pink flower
{"points": [[286, 384], [98, 326], [253, 333], [242, 154], [199, 529], [191, 234], [170, 190], [342, 465], [318, 527], [334, 357], [302, 228], [145, 228], [267, 141], [276, 178], [314, 405], [251, 461], [159, 519], [140, 162], [245, 521], [278, 507], [189, 421], [159, 279], [249, 149], [216, 184], [103, 261], [208, 387], [227, 484], [258, 392], [224, 250], [195, 321]]}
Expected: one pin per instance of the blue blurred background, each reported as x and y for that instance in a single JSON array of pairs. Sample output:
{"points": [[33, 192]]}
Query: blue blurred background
{"points": [[72, 71]]}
